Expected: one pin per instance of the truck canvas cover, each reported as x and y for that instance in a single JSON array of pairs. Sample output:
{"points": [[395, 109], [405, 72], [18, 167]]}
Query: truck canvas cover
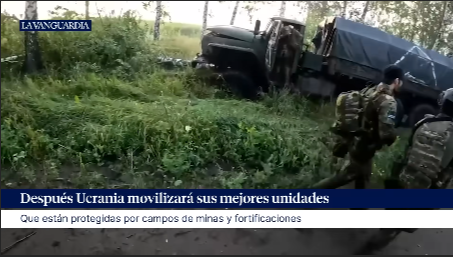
{"points": [[374, 48]]}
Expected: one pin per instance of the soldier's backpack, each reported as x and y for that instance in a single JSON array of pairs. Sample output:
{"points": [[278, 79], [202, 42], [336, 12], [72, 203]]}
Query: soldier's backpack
{"points": [[349, 113], [425, 153]]}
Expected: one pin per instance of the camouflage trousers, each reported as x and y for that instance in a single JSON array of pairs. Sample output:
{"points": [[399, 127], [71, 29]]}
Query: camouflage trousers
{"points": [[381, 240], [352, 170], [385, 236]]}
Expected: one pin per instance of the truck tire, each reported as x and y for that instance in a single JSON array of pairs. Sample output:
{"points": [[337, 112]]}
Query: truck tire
{"points": [[240, 84], [419, 112]]}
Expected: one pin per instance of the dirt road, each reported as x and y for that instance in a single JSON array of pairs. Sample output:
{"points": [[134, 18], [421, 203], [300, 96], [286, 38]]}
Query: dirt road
{"points": [[218, 241]]}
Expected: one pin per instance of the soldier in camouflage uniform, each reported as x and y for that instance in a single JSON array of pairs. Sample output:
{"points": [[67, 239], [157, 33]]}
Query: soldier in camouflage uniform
{"points": [[379, 126], [427, 164]]}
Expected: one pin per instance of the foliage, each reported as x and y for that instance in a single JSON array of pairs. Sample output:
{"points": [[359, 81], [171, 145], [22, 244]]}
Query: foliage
{"points": [[427, 23], [105, 116]]}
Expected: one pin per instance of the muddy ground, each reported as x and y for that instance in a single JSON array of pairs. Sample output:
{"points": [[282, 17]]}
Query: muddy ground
{"points": [[218, 241]]}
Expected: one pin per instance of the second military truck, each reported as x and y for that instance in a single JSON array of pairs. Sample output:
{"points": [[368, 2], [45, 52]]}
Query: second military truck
{"points": [[348, 55]]}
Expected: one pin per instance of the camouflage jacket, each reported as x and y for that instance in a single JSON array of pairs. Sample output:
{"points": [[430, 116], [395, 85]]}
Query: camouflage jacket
{"points": [[447, 161], [380, 114], [431, 157]]}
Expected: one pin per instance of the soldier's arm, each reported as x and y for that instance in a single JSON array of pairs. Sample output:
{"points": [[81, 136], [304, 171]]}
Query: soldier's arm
{"points": [[387, 116], [446, 176], [447, 161]]}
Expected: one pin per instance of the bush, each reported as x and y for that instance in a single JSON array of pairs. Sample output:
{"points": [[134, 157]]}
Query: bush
{"points": [[104, 115], [118, 46], [98, 120]]}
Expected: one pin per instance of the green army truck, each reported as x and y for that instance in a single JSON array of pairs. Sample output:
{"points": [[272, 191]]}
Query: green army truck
{"points": [[347, 56]]}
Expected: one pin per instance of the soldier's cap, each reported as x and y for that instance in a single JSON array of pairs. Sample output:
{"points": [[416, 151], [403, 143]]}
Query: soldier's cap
{"points": [[393, 72]]}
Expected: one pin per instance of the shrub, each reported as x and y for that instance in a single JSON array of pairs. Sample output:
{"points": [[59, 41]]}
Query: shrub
{"points": [[104, 115]]}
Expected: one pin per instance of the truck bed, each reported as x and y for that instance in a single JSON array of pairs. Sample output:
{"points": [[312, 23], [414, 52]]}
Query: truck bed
{"points": [[363, 51]]}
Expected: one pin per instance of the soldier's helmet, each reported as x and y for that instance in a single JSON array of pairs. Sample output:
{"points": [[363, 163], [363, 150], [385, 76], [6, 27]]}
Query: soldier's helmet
{"points": [[446, 102]]}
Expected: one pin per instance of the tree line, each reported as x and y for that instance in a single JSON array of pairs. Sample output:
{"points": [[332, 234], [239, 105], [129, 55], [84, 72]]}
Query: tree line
{"points": [[426, 23]]}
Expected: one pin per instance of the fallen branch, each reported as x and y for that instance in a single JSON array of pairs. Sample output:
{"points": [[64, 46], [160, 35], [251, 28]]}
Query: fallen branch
{"points": [[18, 241]]}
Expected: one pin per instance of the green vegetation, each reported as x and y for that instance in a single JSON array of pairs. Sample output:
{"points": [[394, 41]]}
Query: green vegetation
{"points": [[104, 115]]}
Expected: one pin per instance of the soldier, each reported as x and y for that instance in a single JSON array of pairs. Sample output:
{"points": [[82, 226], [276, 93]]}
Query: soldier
{"points": [[288, 43], [427, 164], [376, 130]]}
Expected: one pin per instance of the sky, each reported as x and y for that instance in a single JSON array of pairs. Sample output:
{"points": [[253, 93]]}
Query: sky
{"points": [[180, 11]]}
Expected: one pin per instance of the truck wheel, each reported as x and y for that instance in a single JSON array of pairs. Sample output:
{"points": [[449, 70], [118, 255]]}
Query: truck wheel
{"points": [[240, 84], [419, 113]]}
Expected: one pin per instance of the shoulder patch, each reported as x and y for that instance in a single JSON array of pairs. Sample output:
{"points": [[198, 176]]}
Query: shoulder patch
{"points": [[391, 115], [389, 109]]}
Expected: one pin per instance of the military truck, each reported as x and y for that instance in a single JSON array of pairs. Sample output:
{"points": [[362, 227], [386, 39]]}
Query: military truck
{"points": [[347, 56]]}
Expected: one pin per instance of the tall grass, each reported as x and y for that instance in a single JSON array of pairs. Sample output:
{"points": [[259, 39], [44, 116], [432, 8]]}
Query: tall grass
{"points": [[104, 115]]}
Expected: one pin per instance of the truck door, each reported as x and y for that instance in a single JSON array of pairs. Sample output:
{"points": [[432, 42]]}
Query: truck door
{"points": [[272, 46]]}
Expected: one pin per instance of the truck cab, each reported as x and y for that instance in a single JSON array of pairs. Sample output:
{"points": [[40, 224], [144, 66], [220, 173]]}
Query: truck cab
{"points": [[245, 57]]}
